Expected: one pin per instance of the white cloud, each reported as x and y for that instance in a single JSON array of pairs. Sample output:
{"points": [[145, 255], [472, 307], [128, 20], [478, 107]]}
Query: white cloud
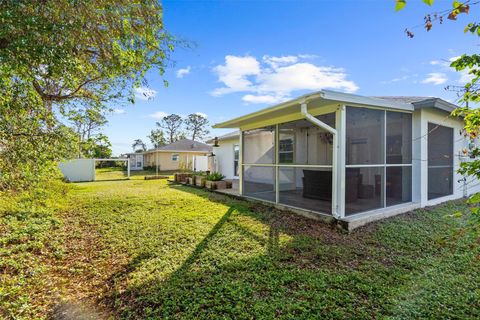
{"points": [[304, 76], [279, 61], [465, 75], [234, 74], [159, 115], [276, 78], [144, 93], [183, 72], [201, 114], [307, 56], [268, 99], [119, 111], [435, 78]]}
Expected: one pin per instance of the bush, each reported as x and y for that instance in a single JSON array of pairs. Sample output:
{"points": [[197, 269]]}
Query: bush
{"points": [[215, 176]]}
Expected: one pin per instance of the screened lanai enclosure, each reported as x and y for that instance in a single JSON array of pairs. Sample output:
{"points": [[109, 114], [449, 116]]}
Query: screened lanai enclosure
{"points": [[351, 157], [299, 155], [291, 163]]}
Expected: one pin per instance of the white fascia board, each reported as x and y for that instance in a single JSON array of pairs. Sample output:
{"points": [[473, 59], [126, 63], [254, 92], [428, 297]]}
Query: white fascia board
{"points": [[344, 98], [234, 122]]}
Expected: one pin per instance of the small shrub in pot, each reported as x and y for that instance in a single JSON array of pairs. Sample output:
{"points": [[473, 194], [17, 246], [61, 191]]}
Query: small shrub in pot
{"points": [[215, 181]]}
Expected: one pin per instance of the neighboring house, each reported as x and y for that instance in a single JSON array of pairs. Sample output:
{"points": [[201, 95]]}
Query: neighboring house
{"points": [[354, 158], [136, 160], [182, 154], [227, 155]]}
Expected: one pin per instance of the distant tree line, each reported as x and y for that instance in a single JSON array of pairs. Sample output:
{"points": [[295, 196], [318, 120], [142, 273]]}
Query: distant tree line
{"points": [[174, 127]]}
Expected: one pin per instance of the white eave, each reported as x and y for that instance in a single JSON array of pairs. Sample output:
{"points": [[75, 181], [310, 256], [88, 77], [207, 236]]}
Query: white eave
{"points": [[324, 97]]}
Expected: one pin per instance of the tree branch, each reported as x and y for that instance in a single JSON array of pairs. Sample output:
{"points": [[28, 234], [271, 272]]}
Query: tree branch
{"points": [[58, 97]]}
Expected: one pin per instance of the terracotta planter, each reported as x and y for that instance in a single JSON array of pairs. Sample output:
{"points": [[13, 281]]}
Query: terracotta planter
{"points": [[200, 181], [213, 185]]}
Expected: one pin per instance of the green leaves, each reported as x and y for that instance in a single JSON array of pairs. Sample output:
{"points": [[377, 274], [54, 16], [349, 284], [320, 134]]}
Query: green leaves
{"points": [[400, 4], [64, 54]]}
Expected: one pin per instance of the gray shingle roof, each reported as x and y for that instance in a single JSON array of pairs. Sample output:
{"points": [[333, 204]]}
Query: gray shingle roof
{"points": [[230, 135], [404, 99], [423, 102], [187, 145]]}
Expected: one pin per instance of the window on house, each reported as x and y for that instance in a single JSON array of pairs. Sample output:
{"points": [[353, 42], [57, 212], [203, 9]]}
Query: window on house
{"points": [[440, 161], [175, 157], [285, 145], [236, 157]]}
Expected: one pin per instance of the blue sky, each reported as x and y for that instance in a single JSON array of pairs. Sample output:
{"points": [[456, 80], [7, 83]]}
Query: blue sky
{"points": [[248, 55]]}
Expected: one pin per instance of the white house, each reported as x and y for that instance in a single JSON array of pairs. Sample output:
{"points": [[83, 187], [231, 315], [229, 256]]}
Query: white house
{"points": [[352, 158], [227, 155]]}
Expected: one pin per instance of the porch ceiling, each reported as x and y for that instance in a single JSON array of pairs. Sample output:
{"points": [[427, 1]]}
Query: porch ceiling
{"points": [[316, 102]]}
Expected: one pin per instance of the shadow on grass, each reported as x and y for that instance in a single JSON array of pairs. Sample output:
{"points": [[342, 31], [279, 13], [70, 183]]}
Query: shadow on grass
{"points": [[259, 262]]}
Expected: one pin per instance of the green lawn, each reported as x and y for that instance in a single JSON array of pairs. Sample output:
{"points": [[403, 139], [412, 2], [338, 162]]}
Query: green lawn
{"points": [[119, 173], [146, 249]]}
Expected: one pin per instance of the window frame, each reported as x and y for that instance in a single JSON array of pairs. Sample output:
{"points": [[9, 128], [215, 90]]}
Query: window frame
{"points": [[385, 165], [444, 166], [236, 160]]}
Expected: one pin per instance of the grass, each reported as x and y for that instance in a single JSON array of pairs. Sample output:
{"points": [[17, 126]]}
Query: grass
{"points": [[140, 249], [119, 173]]}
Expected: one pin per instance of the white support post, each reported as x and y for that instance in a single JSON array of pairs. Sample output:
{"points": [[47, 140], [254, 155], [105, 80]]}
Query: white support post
{"points": [[339, 162], [240, 161], [335, 177], [277, 169]]}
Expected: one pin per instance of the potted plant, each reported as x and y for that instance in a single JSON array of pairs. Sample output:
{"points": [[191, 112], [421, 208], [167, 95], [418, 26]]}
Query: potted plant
{"points": [[215, 181], [200, 178]]}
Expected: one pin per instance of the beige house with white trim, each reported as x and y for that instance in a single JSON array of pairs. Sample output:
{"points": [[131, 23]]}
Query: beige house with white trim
{"points": [[182, 154]]}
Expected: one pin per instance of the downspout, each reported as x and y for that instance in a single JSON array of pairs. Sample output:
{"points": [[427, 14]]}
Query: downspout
{"points": [[315, 121]]}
